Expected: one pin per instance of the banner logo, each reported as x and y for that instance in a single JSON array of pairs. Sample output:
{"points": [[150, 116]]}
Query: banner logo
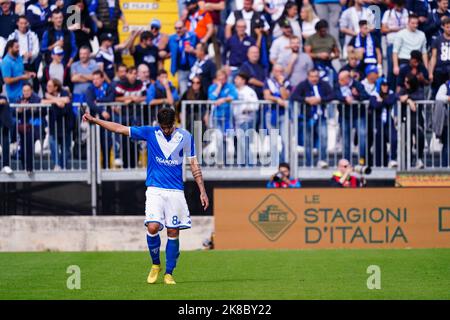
{"points": [[272, 217]]}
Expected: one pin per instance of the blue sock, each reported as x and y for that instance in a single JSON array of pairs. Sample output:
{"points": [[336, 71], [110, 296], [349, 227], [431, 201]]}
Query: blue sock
{"points": [[172, 254], [154, 242]]}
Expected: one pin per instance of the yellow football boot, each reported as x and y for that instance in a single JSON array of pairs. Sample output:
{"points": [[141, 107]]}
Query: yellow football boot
{"points": [[154, 273], [168, 279]]}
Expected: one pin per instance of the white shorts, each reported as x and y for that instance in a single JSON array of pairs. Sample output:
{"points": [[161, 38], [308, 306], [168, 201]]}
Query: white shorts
{"points": [[166, 207]]}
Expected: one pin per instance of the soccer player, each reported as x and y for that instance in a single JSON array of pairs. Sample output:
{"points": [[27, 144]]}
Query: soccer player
{"points": [[165, 203]]}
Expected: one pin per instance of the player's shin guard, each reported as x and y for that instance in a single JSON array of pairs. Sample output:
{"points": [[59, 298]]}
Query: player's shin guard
{"points": [[172, 253], [154, 242]]}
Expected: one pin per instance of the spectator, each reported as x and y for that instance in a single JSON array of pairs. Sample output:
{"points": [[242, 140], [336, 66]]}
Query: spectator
{"points": [[244, 115], [159, 39], [215, 7], [38, 14], [371, 80], [106, 15], [130, 92], [276, 90], [85, 29], [182, 51], [8, 19], [440, 58], [61, 123], [313, 94], [199, 21], [143, 74], [28, 45], [6, 126], [343, 178], [255, 23], [56, 70], [120, 75], [394, 20], [81, 74], [367, 47], [410, 93], [421, 8], [441, 121], [194, 111], [106, 55], [29, 125], [279, 45], [350, 18], [13, 71], [297, 63], [309, 20], [383, 103], [407, 40], [146, 52], [222, 93], [203, 67], [323, 49], [290, 14], [329, 10], [100, 91], [58, 36], [256, 27], [162, 92], [434, 27], [353, 67], [282, 178], [352, 115], [255, 71], [416, 68], [236, 48]]}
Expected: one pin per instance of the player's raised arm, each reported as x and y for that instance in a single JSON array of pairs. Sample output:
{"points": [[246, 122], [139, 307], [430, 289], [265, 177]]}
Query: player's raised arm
{"points": [[108, 125], [197, 174]]}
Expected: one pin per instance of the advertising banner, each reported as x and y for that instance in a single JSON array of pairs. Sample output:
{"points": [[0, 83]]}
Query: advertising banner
{"points": [[332, 218]]}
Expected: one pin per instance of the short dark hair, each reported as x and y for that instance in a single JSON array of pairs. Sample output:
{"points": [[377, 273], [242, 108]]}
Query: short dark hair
{"points": [[98, 73], [146, 35], [312, 70], [284, 165], [362, 23], [57, 11], [321, 24], [417, 55], [22, 17], [10, 44], [446, 21], [122, 65], [204, 47], [162, 71], [244, 76], [84, 47], [413, 16], [166, 116], [27, 84], [131, 69]]}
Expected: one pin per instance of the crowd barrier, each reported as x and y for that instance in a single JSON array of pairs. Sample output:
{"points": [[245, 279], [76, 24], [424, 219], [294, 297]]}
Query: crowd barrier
{"points": [[242, 135], [48, 144]]}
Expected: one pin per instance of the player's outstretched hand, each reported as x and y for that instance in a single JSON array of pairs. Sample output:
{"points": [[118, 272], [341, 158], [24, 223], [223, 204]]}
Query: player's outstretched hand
{"points": [[205, 201], [87, 117]]}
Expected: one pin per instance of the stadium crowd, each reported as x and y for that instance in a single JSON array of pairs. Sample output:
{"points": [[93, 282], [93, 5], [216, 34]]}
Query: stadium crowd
{"points": [[310, 51]]}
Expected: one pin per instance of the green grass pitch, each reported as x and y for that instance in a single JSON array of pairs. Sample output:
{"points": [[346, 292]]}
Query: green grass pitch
{"points": [[268, 274]]}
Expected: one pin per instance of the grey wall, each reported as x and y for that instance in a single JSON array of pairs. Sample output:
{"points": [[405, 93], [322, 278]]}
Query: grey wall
{"points": [[87, 233]]}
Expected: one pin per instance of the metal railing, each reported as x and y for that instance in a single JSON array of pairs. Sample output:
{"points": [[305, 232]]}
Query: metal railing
{"points": [[47, 144], [240, 134]]}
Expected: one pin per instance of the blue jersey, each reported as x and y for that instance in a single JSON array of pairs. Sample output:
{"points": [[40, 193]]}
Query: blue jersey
{"points": [[165, 155]]}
